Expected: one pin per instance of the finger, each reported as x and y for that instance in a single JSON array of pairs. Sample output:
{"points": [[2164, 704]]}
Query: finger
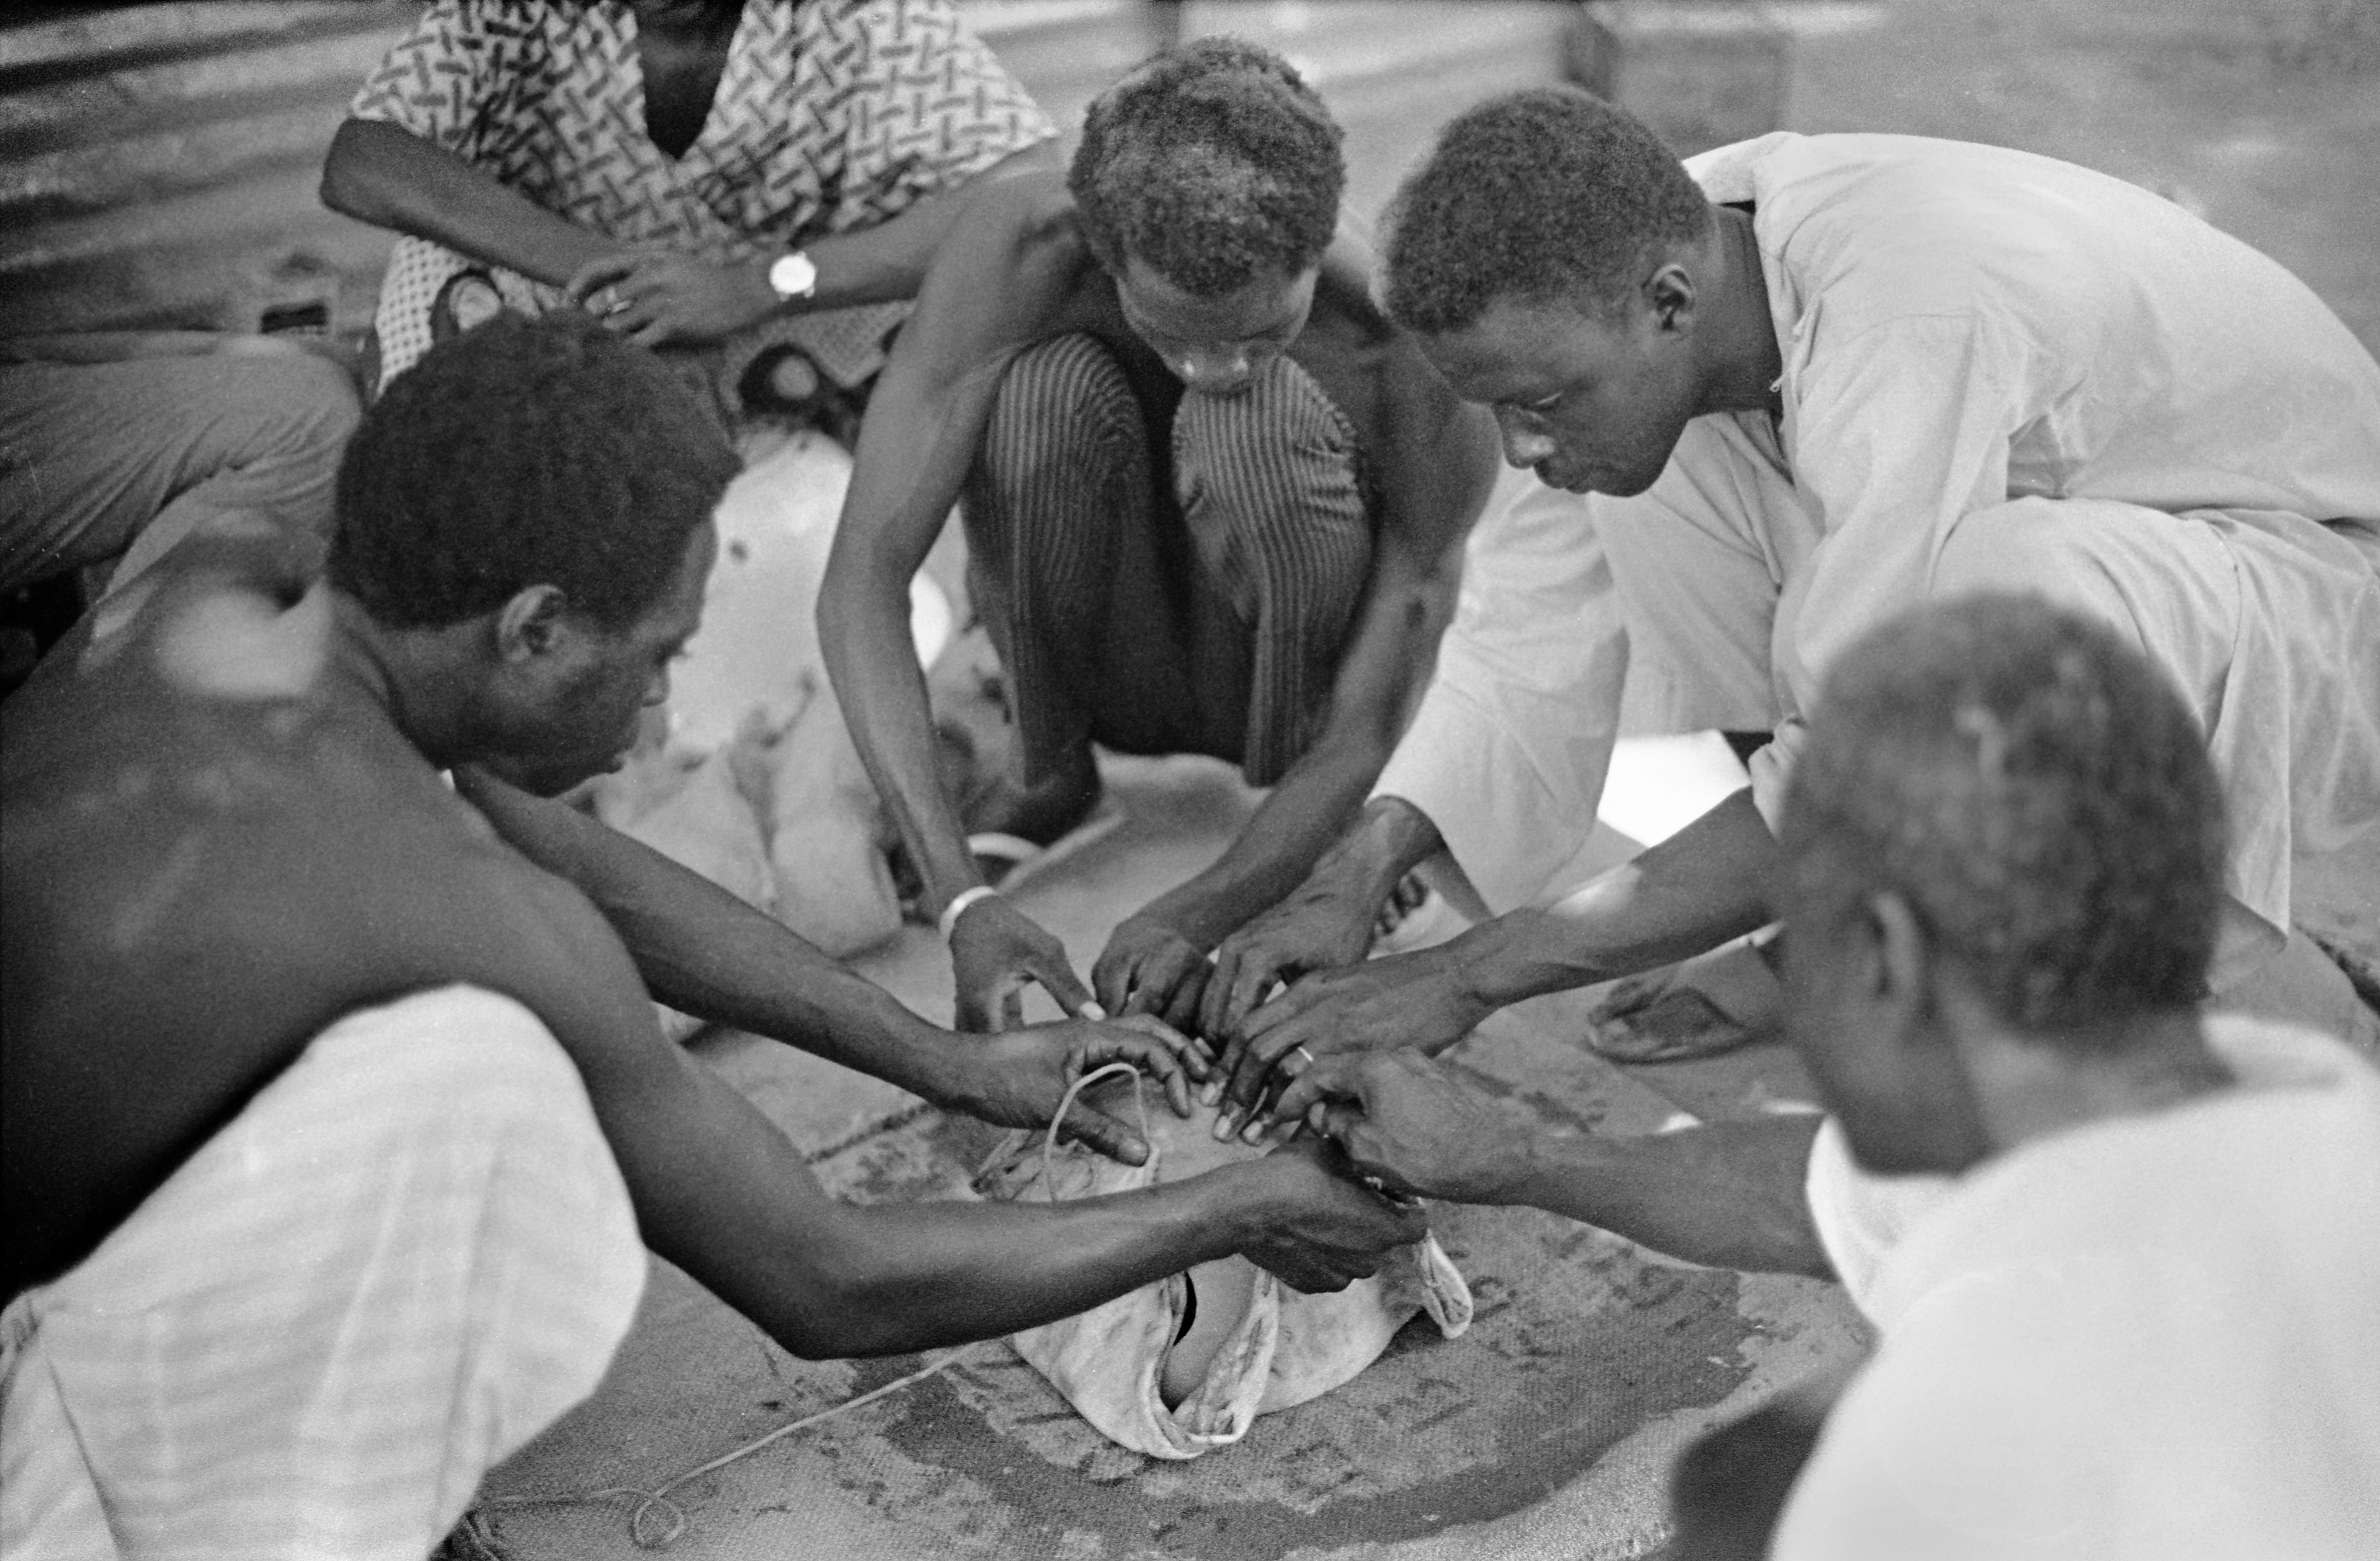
{"points": [[1104, 1133], [656, 334], [1329, 1080], [1257, 1063], [597, 274], [1012, 1008], [1058, 978], [1182, 1009], [1251, 985], [1186, 1051], [1214, 1002]]}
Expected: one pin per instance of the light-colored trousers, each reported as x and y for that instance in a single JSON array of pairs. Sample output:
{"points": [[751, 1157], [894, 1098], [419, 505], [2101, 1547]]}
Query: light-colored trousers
{"points": [[410, 1253]]}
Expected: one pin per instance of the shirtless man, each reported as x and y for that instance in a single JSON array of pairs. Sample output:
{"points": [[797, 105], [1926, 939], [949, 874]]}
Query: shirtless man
{"points": [[334, 1120], [1253, 570]]}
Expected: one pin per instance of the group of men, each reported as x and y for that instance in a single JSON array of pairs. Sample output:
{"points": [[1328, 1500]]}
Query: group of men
{"points": [[2038, 520]]}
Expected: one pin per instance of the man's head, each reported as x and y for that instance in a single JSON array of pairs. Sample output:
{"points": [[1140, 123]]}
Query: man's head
{"points": [[537, 495], [1549, 254], [1207, 185], [2004, 823]]}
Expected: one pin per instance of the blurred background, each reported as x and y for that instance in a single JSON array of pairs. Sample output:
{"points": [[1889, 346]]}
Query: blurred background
{"points": [[158, 162]]}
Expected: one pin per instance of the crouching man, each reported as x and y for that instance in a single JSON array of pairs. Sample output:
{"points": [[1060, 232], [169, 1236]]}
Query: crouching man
{"points": [[2120, 1251], [335, 1122]]}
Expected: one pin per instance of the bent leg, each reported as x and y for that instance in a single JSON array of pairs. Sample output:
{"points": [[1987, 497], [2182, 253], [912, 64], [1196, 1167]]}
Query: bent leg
{"points": [[99, 458], [1271, 487], [408, 1254], [2269, 627], [1059, 512]]}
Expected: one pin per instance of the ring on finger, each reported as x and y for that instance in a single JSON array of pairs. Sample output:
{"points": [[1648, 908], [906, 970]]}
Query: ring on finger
{"points": [[1300, 1050]]}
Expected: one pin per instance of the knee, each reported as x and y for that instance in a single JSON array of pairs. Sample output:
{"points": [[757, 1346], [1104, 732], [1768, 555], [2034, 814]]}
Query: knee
{"points": [[299, 404], [1062, 402], [1281, 441], [2045, 547]]}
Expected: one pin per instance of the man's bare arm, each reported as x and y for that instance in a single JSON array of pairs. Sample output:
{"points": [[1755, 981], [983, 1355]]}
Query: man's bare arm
{"points": [[1728, 1194], [1003, 279], [381, 174], [719, 1192], [1436, 469]]}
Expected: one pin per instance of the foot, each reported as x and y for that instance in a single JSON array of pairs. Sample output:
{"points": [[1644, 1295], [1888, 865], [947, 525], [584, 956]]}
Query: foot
{"points": [[1041, 811]]}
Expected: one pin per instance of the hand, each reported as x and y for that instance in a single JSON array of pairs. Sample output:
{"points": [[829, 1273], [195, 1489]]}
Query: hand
{"points": [[1148, 967], [1403, 1119], [664, 299], [1017, 1079], [1321, 927], [1319, 1229], [995, 949], [1417, 999]]}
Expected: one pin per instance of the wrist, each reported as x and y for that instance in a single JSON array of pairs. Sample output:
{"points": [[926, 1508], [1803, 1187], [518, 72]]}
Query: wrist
{"points": [[960, 904], [1391, 837]]}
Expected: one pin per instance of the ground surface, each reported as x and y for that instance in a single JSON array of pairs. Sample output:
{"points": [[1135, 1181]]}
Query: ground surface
{"points": [[1544, 1432]]}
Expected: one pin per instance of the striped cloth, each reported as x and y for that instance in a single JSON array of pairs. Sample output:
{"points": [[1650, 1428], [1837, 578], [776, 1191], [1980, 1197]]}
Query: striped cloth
{"points": [[1199, 609], [409, 1254]]}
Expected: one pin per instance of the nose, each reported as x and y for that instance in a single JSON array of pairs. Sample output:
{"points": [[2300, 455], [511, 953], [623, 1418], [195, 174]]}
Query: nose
{"points": [[1525, 443], [657, 691]]}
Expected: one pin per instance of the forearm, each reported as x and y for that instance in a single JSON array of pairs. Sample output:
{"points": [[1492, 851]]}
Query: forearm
{"points": [[1285, 840], [380, 174], [1704, 884], [701, 949], [919, 1275], [863, 639], [1390, 838], [1729, 1194]]}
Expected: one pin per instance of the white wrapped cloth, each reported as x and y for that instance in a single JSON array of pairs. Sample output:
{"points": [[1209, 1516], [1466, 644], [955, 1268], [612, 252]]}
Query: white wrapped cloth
{"points": [[406, 1256]]}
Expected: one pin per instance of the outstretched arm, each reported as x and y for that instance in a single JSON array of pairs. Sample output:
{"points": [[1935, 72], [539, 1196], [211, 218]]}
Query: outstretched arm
{"points": [[1002, 281], [701, 949], [1728, 1194], [1438, 465], [1691, 892], [722, 1193]]}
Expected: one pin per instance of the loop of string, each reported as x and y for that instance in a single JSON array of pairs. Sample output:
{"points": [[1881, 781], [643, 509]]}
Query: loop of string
{"points": [[669, 1520]]}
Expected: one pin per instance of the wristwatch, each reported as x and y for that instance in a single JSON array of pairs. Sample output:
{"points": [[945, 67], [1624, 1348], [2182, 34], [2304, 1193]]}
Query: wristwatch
{"points": [[792, 276]]}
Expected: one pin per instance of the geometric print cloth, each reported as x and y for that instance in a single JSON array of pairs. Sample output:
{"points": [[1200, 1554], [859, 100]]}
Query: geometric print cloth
{"points": [[830, 115]]}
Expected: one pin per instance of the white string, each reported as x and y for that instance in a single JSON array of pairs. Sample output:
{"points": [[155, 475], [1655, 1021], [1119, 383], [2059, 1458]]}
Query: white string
{"points": [[655, 1503], [656, 1500]]}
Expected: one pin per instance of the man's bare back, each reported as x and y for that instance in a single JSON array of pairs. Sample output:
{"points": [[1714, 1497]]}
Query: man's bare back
{"points": [[216, 845]]}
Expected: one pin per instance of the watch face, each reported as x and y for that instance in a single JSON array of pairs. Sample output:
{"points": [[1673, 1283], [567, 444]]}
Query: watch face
{"points": [[793, 276]]}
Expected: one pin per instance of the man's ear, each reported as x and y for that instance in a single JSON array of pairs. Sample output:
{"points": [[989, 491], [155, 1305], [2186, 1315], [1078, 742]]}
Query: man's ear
{"points": [[1901, 968], [1670, 292], [530, 624]]}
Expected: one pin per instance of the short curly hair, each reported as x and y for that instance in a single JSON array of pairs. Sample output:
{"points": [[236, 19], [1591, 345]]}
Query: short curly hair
{"points": [[1211, 160], [1536, 197], [2034, 791], [523, 452]]}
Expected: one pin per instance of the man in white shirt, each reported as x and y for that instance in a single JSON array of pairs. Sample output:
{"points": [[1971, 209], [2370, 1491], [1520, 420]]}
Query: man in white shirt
{"points": [[2119, 1252], [1772, 397]]}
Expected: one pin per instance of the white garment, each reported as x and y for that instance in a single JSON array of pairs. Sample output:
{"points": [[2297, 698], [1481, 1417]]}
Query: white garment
{"points": [[1279, 1348], [1999, 370], [2156, 1337], [407, 1254]]}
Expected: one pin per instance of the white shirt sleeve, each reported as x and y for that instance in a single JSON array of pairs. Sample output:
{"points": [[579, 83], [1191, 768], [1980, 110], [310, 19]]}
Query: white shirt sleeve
{"points": [[1862, 1216], [1508, 751]]}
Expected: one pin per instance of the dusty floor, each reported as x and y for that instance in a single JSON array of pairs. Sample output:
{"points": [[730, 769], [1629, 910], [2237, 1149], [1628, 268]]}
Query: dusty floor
{"points": [[1545, 1432]]}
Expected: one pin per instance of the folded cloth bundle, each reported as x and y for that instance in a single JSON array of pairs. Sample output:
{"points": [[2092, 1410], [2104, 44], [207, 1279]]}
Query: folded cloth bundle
{"points": [[1184, 1365]]}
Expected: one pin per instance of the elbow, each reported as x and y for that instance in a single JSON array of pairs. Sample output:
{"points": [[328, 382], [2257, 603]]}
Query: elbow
{"points": [[350, 186]]}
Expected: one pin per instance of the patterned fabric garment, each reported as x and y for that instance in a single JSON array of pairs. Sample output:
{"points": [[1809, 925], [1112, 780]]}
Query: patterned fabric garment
{"points": [[830, 116]]}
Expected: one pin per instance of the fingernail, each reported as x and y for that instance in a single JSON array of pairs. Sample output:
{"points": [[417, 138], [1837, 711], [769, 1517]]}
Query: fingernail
{"points": [[1211, 1092], [1254, 1132], [1224, 1127], [1092, 1011]]}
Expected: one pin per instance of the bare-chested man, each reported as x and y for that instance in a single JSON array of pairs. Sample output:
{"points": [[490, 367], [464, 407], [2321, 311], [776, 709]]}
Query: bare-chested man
{"points": [[334, 1118], [1254, 570]]}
